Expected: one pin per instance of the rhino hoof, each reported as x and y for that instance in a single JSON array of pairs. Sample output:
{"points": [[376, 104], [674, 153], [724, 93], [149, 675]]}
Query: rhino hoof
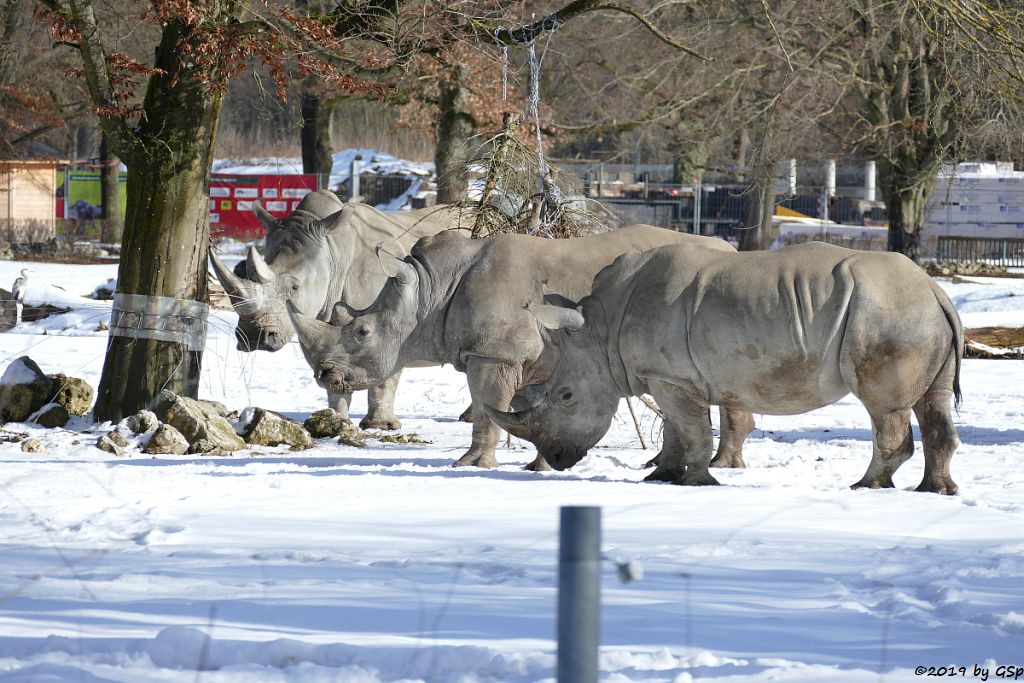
{"points": [[697, 479], [486, 461], [467, 415], [386, 423], [662, 475], [875, 483], [943, 485], [734, 461], [539, 464]]}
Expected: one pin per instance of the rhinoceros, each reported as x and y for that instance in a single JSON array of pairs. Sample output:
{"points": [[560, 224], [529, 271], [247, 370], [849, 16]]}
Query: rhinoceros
{"points": [[778, 333], [324, 252], [464, 302]]}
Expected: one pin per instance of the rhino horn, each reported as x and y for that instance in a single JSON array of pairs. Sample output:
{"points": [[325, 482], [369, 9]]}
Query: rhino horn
{"points": [[231, 283], [534, 394], [246, 295], [557, 317], [394, 266], [341, 314], [312, 333], [257, 268], [266, 218], [518, 424]]}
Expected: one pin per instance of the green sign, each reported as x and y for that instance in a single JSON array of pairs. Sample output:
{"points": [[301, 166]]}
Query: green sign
{"points": [[81, 188]]}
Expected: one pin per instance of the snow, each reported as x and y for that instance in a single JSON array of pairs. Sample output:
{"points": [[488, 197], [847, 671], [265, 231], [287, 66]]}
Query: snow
{"points": [[386, 564], [17, 372]]}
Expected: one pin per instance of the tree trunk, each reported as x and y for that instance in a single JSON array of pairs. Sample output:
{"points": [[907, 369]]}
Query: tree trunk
{"points": [[453, 130], [110, 191], [757, 231], [166, 235], [689, 162], [316, 130], [740, 148], [904, 205]]}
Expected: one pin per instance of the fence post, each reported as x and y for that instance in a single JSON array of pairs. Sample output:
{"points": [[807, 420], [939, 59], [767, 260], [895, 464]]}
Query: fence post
{"points": [[579, 594], [869, 181], [698, 196], [353, 182]]}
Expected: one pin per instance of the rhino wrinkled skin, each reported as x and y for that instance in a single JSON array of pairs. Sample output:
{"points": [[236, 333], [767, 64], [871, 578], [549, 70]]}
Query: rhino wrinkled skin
{"points": [[464, 302], [323, 253], [780, 332]]}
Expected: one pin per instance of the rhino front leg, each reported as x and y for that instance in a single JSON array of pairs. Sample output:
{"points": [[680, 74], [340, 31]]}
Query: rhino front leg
{"points": [[687, 450], [380, 413], [494, 383], [339, 402], [736, 426]]}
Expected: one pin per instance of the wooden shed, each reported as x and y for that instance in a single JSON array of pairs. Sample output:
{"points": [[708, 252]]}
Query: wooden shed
{"points": [[28, 190]]}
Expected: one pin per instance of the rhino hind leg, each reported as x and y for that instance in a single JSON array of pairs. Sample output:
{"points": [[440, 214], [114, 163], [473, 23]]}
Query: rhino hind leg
{"points": [[539, 464], [380, 412], [493, 383], [339, 403], [736, 426], [686, 452], [940, 441], [467, 414], [892, 445]]}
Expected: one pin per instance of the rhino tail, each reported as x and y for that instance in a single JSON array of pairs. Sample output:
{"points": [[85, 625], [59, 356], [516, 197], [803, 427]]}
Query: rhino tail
{"points": [[953, 318]]}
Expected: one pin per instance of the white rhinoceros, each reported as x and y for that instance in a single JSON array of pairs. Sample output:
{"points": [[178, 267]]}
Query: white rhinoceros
{"points": [[323, 253], [464, 302], [779, 333]]}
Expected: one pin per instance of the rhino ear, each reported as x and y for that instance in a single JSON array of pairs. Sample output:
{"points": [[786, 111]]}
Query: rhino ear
{"points": [[557, 317], [268, 221], [395, 267]]}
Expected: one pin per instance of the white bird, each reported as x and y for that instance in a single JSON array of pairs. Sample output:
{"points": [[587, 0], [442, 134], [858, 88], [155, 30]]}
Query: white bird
{"points": [[18, 288]]}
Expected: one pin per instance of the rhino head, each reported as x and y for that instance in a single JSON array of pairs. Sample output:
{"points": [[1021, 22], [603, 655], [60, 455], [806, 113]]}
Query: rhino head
{"points": [[359, 349], [299, 268], [573, 408]]}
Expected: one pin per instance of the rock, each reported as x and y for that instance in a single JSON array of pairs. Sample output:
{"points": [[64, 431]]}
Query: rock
{"points": [[6, 253], [142, 422], [31, 314], [206, 447], [24, 389], [33, 445], [51, 415], [108, 444], [73, 393], [351, 436], [326, 422], [267, 428], [166, 440], [8, 310], [197, 421], [220, 409], [118, 439]]}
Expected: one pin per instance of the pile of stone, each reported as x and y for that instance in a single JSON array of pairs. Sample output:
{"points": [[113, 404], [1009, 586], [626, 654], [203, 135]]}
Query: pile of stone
{"points": [[176, 425], [968, 268], [29, 394]]}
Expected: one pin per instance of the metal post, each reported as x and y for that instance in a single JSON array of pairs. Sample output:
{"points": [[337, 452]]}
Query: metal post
{"points": [[353, 182], [792, 177], [698, 196], [869, 181], [830, 178], [579, 594]]}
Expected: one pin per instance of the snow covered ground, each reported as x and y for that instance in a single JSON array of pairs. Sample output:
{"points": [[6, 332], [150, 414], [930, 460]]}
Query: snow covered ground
{"points": [[385, 564]]}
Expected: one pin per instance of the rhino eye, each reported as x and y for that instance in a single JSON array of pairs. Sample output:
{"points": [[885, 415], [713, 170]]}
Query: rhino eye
{"points": [[567, 396], [364, 332]]}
